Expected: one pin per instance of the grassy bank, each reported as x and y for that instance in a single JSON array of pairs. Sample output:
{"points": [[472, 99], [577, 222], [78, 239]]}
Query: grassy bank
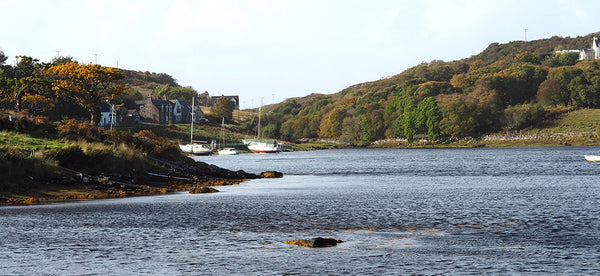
{"points": [[76, 160]]}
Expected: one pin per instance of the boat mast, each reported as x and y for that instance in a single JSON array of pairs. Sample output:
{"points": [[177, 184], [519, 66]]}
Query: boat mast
{"points": [[259, 112], [192, 125], [223, 132]]}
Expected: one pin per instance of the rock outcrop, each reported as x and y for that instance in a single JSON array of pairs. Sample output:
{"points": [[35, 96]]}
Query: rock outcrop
{"points": [[315, 242], [203, 190], [271, 174]]}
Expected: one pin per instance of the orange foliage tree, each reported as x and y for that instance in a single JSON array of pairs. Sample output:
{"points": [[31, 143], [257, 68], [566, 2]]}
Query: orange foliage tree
{"points": [[88, 85], [25, 87]]}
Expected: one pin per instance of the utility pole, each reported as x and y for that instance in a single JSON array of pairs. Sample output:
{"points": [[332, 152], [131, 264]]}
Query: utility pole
{"points": [[96, 58], [525, 34], [117, 64], [58, 53]]}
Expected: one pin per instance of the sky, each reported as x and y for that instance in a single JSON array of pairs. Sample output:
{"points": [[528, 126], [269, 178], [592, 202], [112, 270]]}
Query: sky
{"points": [[279, 49]]}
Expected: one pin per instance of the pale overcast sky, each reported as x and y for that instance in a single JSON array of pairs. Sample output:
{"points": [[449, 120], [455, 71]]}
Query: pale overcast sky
{"points": [[277, 49]]}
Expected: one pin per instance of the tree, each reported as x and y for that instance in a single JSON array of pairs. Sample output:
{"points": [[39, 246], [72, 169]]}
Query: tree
{"points": [[463, 116], [62, 60], [25, 87], [549, 93], [88, 85], [568, 59], [182, 93], [331, 125], [3, 58], [223, 108], [204, 99]]}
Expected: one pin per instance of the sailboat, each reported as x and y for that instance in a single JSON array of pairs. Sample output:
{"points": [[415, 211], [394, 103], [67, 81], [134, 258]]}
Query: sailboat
{"points": [[192, 148], [258, 145], [224, 150]]}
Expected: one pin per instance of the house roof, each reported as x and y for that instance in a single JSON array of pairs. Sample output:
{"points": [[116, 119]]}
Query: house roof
{"points": [[186, 108]]}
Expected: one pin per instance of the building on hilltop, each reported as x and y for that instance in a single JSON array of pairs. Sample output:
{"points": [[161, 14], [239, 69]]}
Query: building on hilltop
{"points": [[591, 53]]}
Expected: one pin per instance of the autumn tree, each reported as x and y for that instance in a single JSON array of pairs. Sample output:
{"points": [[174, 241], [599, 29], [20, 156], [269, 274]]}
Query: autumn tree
{"points": [[549, 93], [88, 85], [223, 108], [331, 125], [463, 116], [25, 87]]}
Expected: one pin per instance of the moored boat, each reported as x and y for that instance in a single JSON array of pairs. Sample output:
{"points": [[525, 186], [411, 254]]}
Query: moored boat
{"points": [[592, 158], [228, 151], [193, 148], [258, 145]]}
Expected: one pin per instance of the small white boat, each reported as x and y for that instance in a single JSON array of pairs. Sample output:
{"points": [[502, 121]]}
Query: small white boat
{"points": [[258, 145], [228, 151], [193, 148], [198, 149], [262, 145], [186, 148], [592, 158], [224, 150]]}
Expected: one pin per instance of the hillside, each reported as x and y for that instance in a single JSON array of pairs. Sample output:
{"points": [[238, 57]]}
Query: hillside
{"points": [[507, 88]]}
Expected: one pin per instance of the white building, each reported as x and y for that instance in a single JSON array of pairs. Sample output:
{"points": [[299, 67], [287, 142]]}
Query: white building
{"points": [[591, 53]]}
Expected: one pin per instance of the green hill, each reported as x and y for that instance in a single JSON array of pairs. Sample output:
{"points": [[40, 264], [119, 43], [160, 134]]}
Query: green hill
{"points": [[507, 88]]}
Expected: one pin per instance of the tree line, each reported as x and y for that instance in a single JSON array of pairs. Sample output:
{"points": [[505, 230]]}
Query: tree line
{"points": [[57, 89], [64, 88], [448, 100]]}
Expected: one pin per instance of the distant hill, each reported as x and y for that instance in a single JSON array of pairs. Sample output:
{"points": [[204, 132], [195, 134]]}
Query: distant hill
{"points": [[542, 47], [146, 82], [506, 87]]}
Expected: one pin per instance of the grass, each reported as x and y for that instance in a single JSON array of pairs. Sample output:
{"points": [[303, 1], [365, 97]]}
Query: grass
{"points": [[581, 121], [27, 143]]}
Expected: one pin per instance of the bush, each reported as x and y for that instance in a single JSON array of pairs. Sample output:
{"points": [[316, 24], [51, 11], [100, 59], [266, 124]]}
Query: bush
{"points": [[155, 145], [75, 130], [120, 137], [71, 157]]}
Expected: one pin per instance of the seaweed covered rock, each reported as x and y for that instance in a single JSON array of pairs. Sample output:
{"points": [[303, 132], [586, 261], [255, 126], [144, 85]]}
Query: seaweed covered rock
{"points": [[315, 242], [203, 190], [271, 174]]}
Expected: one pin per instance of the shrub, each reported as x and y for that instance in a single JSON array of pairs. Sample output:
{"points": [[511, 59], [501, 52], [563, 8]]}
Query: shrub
{"points": [[75, 130], [120, 137], [155, 145], [71, 157]]}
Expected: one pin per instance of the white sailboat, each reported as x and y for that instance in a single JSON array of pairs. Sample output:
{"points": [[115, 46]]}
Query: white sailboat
{"points": [[258, 145], [224, 150], [193, 148]]}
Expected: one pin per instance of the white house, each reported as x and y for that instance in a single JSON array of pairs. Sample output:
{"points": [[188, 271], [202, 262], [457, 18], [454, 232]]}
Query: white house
{"points": [[591, 53], [106, 110]]}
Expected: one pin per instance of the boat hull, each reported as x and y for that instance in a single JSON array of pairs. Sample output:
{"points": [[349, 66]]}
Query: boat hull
{"points": [[262, 145], [195, 149], [592, 158], [228, 151], [263, 149]]}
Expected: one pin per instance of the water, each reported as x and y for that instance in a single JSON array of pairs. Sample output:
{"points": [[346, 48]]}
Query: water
{"points": [[442, 211]]}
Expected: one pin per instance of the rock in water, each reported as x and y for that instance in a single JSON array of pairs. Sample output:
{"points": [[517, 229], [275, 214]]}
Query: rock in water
{"points": [[203, 190], [322, 242], [316, 242], [271, 174]]}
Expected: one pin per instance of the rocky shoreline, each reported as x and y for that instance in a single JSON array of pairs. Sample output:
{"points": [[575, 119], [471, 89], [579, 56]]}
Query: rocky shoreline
{"points": [[179, 176]]}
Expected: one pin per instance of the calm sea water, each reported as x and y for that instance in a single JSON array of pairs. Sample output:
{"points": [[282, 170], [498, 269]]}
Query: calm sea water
{"points": [[442, 211]]}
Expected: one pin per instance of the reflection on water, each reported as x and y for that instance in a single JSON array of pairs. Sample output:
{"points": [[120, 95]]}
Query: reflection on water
{"points": [[399, 211]]}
